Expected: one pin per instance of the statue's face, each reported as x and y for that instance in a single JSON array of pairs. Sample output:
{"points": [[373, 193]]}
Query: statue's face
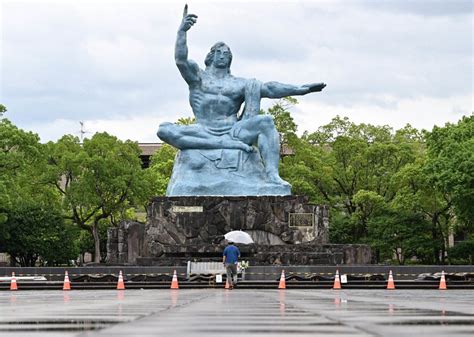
{"points": [[222, 57]]}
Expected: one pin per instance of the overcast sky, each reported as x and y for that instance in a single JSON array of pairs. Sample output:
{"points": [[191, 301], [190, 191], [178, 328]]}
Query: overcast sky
{"points": [[111, 63]]}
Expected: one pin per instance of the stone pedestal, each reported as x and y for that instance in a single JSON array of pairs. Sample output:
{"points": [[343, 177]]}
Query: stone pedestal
{"points": [[204, 220], [285, 229]]}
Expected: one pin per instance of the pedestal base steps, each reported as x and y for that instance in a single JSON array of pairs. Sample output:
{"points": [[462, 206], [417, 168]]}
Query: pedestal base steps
{"points": [[264, 255]]}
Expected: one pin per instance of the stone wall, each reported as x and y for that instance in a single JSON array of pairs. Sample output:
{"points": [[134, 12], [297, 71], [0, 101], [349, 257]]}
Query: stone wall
{"points": [[205, 220], [125, 243], [286, 230]]}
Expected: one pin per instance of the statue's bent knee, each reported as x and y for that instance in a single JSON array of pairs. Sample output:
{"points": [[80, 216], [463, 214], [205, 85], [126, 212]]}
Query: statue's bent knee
{"points": [[165, 131], [266, 122]]}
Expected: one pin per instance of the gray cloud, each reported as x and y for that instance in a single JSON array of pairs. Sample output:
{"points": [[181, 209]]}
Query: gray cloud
{"points": [[420, 7], [103, 60]]}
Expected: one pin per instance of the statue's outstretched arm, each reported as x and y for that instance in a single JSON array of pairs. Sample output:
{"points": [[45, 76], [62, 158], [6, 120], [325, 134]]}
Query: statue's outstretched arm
{"points": [[280, 90], [189, 69]]}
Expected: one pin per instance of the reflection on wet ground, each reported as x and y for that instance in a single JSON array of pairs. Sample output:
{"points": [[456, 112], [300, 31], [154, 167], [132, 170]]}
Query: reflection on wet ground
{"points": [[242, 312]]}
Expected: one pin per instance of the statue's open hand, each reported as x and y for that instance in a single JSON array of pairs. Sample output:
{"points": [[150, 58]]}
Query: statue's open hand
{"points": [[188, 20], [314, 87]]}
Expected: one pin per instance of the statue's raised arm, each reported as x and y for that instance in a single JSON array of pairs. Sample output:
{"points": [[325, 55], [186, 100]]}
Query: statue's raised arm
{"points": [[280, 90], [188, 68]]}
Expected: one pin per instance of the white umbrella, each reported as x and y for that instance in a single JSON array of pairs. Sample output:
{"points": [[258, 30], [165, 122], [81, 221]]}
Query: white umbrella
{"points": [[238, 237]]}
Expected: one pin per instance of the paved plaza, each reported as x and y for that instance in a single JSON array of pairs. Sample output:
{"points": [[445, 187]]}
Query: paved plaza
{"points": [[240, 312]]}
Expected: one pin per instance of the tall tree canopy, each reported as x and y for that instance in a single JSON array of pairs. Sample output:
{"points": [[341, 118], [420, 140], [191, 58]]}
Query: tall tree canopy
{"points": [[22, 160], [383, 185], [99, 180], [37, 231], [29, 226], [450, 164]]}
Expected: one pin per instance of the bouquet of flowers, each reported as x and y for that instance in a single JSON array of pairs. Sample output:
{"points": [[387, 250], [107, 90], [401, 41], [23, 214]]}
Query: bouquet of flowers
{"points": [[242, 265]]}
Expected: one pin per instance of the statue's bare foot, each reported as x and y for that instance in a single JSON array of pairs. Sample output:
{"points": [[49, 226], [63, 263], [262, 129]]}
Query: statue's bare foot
{"points": [[274, 178], [237, 144]]}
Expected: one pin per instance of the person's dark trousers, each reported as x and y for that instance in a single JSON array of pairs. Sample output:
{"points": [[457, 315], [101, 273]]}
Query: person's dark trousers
{"points": [[231, 271]]}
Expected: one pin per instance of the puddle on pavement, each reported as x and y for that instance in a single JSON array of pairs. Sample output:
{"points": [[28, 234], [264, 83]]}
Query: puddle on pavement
{"points": [[405, 311], [265, 331], [55, 325], [434, 322]]}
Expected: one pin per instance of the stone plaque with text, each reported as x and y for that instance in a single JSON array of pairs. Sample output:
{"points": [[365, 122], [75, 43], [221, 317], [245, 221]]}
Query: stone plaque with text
{"points": [[301, 219], [187, 209]]}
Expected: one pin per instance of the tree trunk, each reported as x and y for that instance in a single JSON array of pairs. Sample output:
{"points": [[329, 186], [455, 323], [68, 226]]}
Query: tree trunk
{"points": [[95, 234], [377, 255], [434, 234], [13, 260]]}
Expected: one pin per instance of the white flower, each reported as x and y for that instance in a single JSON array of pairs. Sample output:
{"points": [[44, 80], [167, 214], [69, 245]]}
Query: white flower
{"points": [[242, 265]]}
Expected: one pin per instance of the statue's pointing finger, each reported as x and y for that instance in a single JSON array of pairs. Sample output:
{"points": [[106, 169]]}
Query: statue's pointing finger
{"points": [[185, 11], [188, 16]]}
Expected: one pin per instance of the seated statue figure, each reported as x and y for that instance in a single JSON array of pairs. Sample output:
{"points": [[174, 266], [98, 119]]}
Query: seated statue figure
{"points": [[225, 153]]}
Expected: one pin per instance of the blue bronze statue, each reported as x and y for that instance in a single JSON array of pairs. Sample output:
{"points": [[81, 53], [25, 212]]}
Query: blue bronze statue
{"points": [[225, 153]]}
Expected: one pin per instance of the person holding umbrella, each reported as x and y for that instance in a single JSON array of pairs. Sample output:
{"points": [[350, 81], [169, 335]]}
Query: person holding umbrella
{"points": [[230, 258]]}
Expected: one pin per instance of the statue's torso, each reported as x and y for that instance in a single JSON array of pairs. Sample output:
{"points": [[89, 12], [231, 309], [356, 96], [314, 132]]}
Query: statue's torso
{"points": [[216, 101]]}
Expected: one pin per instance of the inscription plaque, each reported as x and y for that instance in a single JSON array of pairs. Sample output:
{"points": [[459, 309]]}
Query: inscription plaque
{"points": [[187, 209], [301, 220]]}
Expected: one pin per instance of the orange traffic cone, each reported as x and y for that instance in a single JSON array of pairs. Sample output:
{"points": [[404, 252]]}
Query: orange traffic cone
{"points": [[282, 284], [120, 283], [337, 281], [442, 282], [13, 285], [390, 284], [174, 282], [67, 284]]}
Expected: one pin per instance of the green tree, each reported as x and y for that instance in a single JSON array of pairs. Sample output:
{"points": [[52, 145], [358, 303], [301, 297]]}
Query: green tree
{"points": [[302, 167], [416, 194], [34, 231], [307, 171], [161, 167], [400, 234], [284, 122], [368, 205], [85, 241], [186, 121], [23, 197], [450, 165], [463, 252], [98, 180], [355, 159], [22, 161]]}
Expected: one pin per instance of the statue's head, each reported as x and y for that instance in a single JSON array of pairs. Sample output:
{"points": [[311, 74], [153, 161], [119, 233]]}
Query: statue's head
{"points": [[219, 56]]}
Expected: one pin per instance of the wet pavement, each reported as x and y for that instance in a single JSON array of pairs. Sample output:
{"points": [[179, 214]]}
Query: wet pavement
{"points": [[240, 312]]}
